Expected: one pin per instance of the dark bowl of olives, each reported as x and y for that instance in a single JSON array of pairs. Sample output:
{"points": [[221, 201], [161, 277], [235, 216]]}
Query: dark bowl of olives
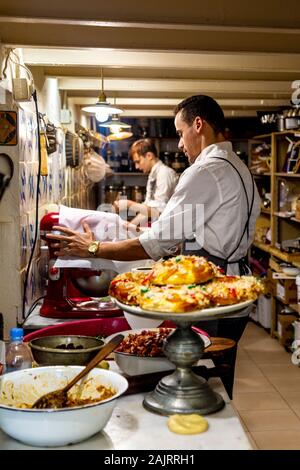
{"points": [[64, 350]]}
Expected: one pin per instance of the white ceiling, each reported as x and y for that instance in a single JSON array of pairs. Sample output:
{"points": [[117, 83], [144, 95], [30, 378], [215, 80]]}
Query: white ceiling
{"points": [[244, 54]]}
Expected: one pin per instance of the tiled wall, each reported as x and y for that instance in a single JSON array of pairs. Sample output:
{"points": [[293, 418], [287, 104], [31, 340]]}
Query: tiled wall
{"points": [[63, 185]]}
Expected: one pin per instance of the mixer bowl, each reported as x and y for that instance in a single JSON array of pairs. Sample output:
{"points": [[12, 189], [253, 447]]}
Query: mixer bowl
{"points": [[94, 285]]}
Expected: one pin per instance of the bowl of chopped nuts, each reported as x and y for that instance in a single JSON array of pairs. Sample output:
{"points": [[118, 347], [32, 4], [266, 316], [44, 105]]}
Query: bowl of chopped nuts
{"points": [[141, 351]]}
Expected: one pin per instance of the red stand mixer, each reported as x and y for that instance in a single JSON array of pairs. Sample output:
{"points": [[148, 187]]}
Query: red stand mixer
{"points": [[74, 292]]}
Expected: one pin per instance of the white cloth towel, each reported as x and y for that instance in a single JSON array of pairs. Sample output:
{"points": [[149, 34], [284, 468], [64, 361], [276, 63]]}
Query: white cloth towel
{"points": [[106, 227]]}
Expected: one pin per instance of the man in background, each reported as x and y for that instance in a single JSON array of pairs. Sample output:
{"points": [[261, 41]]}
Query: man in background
{"points": [[161, 183]]}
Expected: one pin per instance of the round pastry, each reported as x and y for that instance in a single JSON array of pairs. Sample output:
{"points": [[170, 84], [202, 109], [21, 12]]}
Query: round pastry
{"points": [[126, 287], [177, 299], [182, 270], [227, 290], [187, 424]]}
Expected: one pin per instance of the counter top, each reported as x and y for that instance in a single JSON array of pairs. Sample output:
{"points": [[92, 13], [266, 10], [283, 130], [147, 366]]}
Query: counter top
{"points": [[131, 427]]}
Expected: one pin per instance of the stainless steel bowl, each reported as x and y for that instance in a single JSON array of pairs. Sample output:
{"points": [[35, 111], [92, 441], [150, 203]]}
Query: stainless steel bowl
{"points": [[52, 350], [95, 285]]}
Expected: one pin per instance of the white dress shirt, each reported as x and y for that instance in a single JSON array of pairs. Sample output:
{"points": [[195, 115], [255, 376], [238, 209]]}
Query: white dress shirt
{"points": [[161, 183], [209, 204]]}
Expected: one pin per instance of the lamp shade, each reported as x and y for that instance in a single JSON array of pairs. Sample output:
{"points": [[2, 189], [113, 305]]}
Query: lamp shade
{"points": [[102, 109], [115, 125], [119, 135]]}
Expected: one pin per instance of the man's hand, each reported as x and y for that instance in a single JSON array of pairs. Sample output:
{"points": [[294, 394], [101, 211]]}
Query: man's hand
{"points": [[72, 243]]}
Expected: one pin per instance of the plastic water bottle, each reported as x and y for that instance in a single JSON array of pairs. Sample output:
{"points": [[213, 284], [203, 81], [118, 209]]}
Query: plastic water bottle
{"points": [[17, 355]]}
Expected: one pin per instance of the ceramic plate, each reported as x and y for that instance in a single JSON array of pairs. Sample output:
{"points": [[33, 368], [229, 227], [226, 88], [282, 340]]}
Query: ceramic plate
{"points": [[204, 314]]}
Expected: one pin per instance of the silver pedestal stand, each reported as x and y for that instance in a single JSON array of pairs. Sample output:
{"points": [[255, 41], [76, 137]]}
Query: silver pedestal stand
{"points": [[183, 391]]}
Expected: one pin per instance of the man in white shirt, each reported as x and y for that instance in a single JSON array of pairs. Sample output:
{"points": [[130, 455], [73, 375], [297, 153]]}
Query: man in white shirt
{"points": [[214, 206], [161, 183]]}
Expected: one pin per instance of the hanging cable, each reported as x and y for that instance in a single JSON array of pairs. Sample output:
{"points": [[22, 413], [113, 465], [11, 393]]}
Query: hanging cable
{"points": [[24, 316]]}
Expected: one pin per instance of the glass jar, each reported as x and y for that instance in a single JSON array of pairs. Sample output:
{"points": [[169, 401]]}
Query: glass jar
{"points": [[111, 194], [137, 194], [124, 192], [176, 164]]}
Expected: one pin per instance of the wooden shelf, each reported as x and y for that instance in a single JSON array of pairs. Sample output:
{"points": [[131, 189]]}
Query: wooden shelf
{"points": [[288, 175], [262, 136], [296, 307], [277, 214], [265, 211], [260, 175], [262, 246], [128, 174], [268, 136], [287, 257]]}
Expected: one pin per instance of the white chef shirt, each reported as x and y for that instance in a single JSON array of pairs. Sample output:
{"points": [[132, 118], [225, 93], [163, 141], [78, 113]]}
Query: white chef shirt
{"points": [[209, 204], [161, 183]]}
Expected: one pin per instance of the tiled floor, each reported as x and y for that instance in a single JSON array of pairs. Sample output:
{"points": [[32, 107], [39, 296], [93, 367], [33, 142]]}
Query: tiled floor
{"points": [[266, 391]]}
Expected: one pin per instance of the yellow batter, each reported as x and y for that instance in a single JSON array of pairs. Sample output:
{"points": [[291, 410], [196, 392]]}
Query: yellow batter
{"points": [[187, 424]]}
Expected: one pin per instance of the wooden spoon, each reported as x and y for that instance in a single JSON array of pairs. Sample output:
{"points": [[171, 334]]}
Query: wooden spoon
{"points": [[58, 398]]}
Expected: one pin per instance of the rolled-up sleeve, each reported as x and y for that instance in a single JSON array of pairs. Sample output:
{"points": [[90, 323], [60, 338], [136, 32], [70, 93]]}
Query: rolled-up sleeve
{"points": [[184, 215]]}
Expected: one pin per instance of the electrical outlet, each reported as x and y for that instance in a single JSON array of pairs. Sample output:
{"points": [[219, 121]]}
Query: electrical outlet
{"points": [[22, 89], [65, 116]]}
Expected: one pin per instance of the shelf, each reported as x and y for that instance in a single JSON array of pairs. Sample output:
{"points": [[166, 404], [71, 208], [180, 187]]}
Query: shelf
{"points": [[260, 175], [286, 217], [262, 246], [120, 173], [288, 175], [296, 307], [295, 220], [287, 257], [284, 302], [265, 211], [262, 136]]}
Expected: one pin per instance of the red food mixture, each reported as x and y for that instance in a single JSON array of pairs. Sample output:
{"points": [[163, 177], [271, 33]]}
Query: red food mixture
{"points": [[146, 344]]}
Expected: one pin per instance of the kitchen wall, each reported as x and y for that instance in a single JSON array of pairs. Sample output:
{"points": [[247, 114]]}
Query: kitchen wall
{"points": [[18, 215]]}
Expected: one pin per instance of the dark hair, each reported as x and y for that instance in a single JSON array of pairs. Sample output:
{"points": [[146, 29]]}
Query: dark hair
{"points": [[205, 107], [142, 146]]}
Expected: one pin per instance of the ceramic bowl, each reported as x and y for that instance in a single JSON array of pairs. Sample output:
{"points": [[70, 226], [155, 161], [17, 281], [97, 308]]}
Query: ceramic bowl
{"points": [[290, 270], [65, 350], [55, 427], [132, 364]]}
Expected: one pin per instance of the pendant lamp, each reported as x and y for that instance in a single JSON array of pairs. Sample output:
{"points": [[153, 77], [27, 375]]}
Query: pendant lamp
{"points": [[102, 109], [115, 125], [119, 135]]}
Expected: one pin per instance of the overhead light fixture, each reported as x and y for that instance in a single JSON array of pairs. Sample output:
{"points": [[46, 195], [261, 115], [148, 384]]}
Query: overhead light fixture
{"points": [[115, 125], [119, 135], [102, 109]]}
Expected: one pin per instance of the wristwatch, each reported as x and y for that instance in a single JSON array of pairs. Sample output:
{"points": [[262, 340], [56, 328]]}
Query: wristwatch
{"points": [[93, 247]]}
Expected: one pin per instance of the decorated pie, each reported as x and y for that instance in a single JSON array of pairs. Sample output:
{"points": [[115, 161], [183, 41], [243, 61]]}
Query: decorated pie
{"points": [[173, 298], [183, 284], [182, 270], [227, 290], [126, 287]]}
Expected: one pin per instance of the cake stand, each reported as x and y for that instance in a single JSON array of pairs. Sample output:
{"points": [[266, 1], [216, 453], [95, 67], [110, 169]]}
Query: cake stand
{"points": [[183, 391]]}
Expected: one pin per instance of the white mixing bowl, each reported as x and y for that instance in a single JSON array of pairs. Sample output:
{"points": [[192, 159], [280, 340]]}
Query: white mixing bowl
{"points": [[55, 427]]}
